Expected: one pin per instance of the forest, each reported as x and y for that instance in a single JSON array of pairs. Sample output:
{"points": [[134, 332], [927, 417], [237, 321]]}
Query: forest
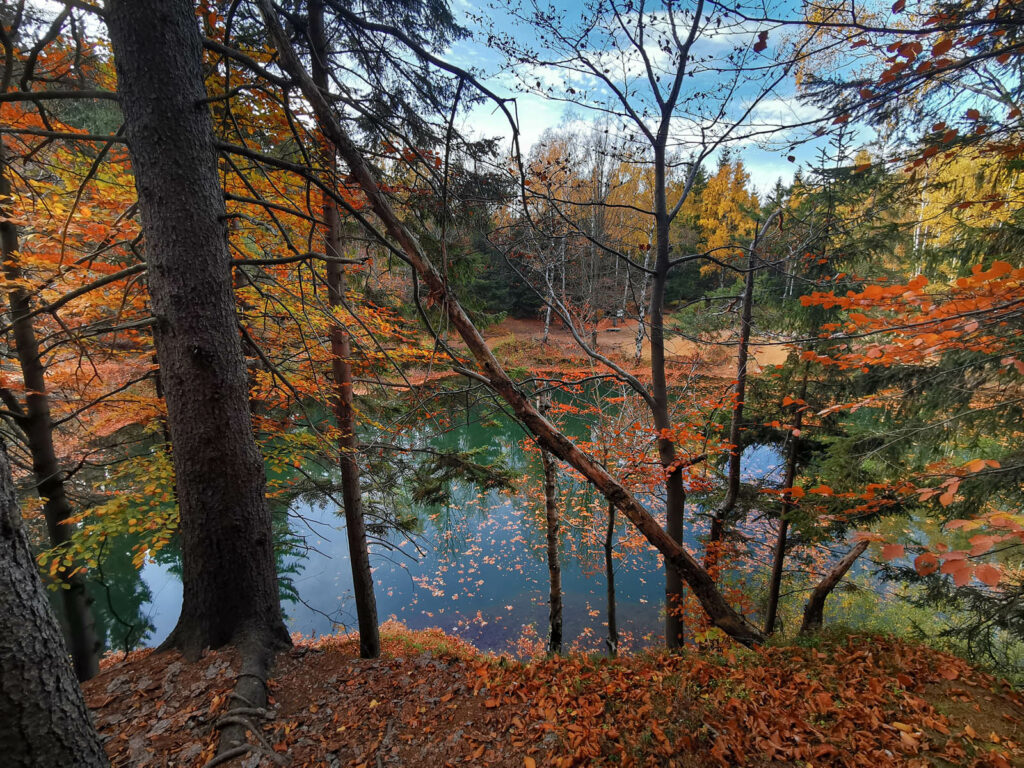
{"points": [[605, 382]]}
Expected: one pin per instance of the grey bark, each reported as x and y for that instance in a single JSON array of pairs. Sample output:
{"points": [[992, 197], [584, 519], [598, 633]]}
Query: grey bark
{"points": [[341, 367], [720, 520], [609, 571], [675, 494], [779, 556], [44, 722], [228, 567], [551, 530], [554, 568], [814, 611]]}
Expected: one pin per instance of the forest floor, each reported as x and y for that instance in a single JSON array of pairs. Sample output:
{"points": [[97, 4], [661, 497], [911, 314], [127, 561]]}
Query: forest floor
{"points": [[432, 700], [717, 356], [519, 343]]}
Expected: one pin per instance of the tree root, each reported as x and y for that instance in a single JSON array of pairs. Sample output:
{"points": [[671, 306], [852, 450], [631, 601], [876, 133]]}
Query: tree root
{"points": [[247, 711]]}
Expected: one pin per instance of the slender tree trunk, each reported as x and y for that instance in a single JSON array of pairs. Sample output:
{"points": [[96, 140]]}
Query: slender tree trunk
{"points": [[779, 557], [815, 609], [489, 369], [641, 306], [43, 719], [554, 569], [36, 423], [551, 528], [550, 302], [609, 571], [341, 366], [775, 580], [229, 573], [675, 495], [721, 518]]}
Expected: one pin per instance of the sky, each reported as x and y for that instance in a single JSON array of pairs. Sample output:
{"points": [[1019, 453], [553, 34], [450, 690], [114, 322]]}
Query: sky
{"points": [[540, 109]]}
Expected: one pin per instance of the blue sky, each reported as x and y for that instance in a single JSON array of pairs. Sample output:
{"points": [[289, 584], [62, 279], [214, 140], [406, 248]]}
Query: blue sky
{"points": [[538, 112]]}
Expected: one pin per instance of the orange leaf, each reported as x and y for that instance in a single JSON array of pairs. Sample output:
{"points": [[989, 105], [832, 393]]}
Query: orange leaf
{"points": [[529, 762], [975, 465], [987, 574], [892, 551], [926, 563]]}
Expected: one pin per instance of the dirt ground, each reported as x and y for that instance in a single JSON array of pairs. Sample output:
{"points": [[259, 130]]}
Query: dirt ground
{"points": [[717, 357]]}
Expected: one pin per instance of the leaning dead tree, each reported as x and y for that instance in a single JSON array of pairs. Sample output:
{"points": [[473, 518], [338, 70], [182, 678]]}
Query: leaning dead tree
{"points": [[489, 371]]}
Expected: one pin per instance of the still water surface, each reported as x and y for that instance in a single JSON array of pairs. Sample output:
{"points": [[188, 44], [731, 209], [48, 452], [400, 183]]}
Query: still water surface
{"points": [[476, 569]]}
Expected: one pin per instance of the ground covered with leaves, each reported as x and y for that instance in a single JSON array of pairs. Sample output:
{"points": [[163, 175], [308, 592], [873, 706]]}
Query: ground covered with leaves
{"points": [[432, 700]]}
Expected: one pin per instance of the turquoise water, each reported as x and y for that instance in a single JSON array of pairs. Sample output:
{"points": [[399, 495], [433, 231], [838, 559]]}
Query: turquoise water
{"points": [[475, 568]]}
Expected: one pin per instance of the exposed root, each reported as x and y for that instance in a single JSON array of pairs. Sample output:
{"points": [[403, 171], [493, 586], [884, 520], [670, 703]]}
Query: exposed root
{"points": [[248, 710]]}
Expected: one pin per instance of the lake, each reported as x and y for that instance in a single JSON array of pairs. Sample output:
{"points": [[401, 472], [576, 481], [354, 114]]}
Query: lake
{"points": [[475, 568]]}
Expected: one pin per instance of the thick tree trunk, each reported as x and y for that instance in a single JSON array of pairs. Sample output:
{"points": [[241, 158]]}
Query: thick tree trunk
{"points": [[490, 369], [554, 569], [228, 567], [609, 572], [721, 518], [814, 611], [43, 719], [341, 367], [36, 423]]}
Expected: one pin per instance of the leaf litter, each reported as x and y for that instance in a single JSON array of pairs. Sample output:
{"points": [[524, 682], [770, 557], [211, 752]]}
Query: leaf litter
{"points": [[434, 700]]}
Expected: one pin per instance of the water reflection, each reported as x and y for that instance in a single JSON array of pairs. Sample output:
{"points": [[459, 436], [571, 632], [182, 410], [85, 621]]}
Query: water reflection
{"points": [[475, 568]]}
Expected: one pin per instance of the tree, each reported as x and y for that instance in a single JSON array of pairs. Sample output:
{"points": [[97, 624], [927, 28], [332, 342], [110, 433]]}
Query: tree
{"points": [[228, 566], [45, 721], [643, 72], [33, 416], [341, 350], [490, 370]]}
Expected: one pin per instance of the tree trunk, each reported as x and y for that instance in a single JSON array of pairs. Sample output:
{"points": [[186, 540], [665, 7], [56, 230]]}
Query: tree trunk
{"points": [[490, 369], [675, 495], [779, 558], [229, 574], [554, 569], [775, 580], [716, 536], [43, 719], [551, 529], [341, 366], [36, 423], [641, 307], [815, 610], [609, 572]]}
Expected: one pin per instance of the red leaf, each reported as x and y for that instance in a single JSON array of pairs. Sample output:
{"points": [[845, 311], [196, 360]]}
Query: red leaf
{"points": [[926, 563], [988, 574], [892, 551], [962, 577]]}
